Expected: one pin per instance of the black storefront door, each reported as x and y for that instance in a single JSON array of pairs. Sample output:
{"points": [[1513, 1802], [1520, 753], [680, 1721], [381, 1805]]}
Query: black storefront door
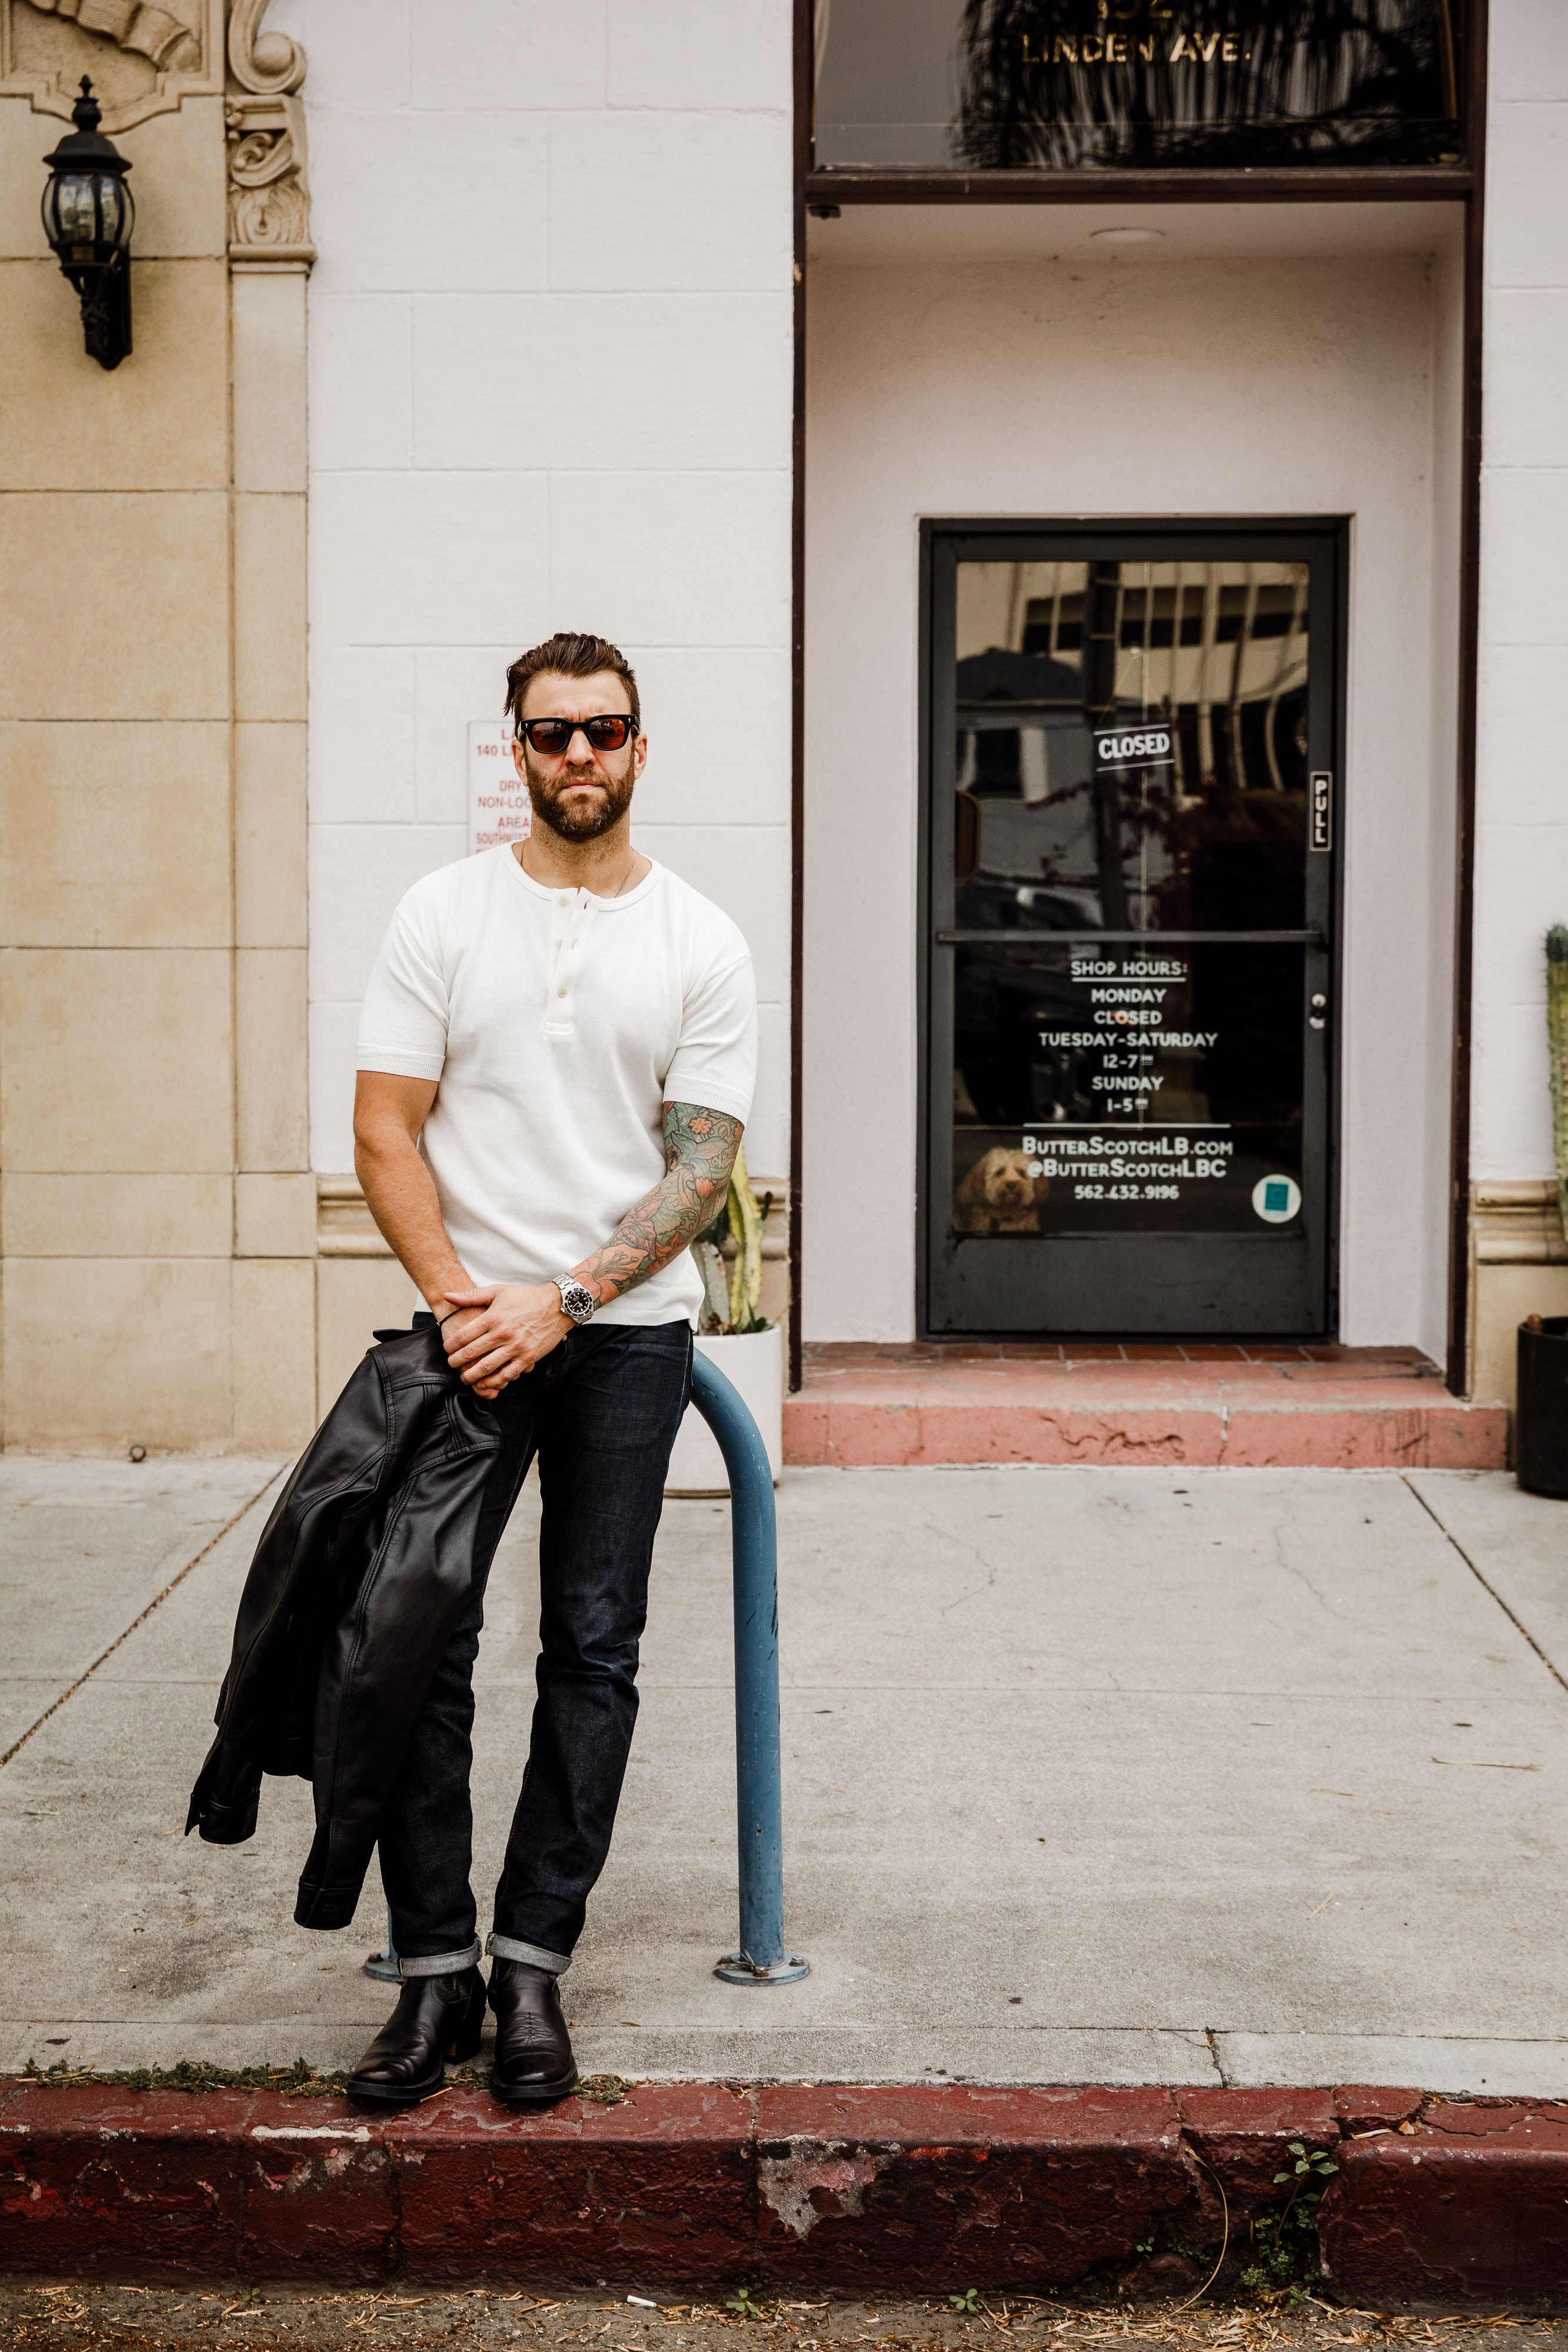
{"points": [[1133, 811]]}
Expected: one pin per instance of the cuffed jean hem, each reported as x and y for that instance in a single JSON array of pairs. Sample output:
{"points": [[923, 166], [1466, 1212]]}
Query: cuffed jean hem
{"points": [[441, 1963], [512, 1947]]}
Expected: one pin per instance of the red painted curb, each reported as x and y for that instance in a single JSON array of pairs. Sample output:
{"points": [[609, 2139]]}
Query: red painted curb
{"points": [[1435, 2206], [1472, 2210]]}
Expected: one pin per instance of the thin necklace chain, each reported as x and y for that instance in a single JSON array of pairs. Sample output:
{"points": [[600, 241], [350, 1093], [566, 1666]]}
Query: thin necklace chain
{"points": [[630, 864]]}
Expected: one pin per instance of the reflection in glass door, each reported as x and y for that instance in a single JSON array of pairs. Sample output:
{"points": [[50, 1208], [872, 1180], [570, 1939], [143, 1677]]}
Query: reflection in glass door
{"points": [[1131, 862]]}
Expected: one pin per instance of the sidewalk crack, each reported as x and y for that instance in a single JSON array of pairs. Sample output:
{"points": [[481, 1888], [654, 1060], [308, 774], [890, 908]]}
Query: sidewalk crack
{"points": [[156, 1603], [1518, 1622]]}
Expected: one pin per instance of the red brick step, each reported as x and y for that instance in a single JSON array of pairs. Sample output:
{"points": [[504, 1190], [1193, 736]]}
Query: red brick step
{"points": [[1289, 1407]]}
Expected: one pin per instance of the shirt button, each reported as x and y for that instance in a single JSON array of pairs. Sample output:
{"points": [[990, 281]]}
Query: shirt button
{"points": [[560, 992]]}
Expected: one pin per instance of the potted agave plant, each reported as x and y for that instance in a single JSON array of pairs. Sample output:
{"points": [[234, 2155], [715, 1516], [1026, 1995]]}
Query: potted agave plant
{"points": [[1540, 1415], [747, 1348]]}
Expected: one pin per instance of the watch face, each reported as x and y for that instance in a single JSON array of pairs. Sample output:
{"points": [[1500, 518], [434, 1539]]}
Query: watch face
{"points": [[577, 1300]]}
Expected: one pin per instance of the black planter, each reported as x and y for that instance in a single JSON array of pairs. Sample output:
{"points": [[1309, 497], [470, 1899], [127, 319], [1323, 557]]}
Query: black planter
{"points": [[1541, 1421]]}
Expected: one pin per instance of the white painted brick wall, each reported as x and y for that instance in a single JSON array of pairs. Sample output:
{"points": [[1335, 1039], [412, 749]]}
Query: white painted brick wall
{"points": [[550, 387], [1521, 860]]}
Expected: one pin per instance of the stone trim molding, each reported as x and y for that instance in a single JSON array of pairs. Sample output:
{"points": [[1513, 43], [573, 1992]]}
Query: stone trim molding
{"points": [[1517, 1223], [345, 1228]]}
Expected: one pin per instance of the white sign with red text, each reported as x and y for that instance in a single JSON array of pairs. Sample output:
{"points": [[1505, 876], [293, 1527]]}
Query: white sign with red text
{"points": [[498, 806]]}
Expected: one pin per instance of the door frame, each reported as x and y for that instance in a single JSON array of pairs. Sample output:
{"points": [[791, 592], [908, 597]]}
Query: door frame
{"points": [[1333, 532], [1464, 185]]}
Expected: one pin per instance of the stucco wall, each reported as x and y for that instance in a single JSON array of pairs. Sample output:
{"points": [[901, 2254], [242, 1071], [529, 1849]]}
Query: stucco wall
{"points": [[1519, 1257], [550, 387], [1053, 383], [1521, 860]]}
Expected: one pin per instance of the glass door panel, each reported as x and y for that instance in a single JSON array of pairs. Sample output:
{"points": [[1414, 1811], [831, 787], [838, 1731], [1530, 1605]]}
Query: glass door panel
{"points": [[1076, 813], [1131, 902]]}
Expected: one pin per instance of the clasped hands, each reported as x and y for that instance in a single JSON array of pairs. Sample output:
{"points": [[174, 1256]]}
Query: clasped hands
{"points": [[502, 1330]]}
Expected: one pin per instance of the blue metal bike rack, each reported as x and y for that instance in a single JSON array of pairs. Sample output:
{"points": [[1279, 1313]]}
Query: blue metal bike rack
{"points": [[763, 1958]]}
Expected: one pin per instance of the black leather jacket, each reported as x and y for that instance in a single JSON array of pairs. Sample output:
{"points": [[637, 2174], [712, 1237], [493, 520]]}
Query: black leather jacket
{"points": [[355, 1584]]}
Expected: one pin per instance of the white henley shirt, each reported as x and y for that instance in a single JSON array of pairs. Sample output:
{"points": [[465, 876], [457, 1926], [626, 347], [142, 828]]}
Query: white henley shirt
{"points": [[559, 1024]]}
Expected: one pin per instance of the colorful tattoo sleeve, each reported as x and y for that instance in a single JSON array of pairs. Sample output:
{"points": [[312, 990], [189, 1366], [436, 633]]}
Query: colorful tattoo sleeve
{"points": [[699, 1153]]}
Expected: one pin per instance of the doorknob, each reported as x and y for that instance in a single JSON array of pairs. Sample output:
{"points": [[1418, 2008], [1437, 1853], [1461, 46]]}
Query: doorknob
{"points": [[1317, 1017]]}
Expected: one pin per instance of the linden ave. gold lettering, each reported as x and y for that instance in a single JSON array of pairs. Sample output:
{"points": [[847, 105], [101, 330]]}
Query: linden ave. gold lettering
{"points": [[1118, 48]]}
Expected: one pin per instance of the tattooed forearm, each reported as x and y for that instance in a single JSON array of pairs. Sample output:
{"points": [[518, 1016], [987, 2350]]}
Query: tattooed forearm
{"points": [[699, 1153]]}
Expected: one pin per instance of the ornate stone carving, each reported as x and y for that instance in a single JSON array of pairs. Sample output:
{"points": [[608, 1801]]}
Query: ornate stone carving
{"points": [[144, 56], [268, 65], [270, 195], [269, 191], [151, 32]]}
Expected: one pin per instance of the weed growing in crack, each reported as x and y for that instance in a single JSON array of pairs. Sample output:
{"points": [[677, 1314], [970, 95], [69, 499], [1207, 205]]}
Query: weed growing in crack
{"points": [[1285, 2236]]}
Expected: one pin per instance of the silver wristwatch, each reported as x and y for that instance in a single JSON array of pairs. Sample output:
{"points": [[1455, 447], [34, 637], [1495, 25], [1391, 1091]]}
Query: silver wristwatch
{"points": [[575, 1301]]}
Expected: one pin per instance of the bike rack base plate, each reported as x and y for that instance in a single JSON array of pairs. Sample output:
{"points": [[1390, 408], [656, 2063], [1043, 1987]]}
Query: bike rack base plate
{"points": [[736, 1968]]}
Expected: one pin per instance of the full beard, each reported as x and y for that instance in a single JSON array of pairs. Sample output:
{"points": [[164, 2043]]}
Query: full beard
{"points": [[581, 820]]}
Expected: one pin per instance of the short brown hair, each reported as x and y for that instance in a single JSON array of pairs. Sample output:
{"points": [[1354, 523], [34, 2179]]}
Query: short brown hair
{"points": [[568, 653]]}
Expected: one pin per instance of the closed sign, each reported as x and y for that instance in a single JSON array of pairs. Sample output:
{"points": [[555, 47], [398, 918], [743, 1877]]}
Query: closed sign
{"points": [[1134, 744]]}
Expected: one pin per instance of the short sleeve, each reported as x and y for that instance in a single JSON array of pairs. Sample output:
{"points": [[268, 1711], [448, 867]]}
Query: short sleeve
{"points": [[403, 1022], [715, 1061]]}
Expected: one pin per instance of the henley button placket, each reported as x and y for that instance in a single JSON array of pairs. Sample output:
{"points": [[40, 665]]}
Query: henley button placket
{"points": [[557, 1016]]}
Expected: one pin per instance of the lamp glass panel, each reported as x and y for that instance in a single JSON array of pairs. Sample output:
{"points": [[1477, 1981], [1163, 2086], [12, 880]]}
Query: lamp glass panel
{"points": [[118, 212], [82, 208], [73, 200]]}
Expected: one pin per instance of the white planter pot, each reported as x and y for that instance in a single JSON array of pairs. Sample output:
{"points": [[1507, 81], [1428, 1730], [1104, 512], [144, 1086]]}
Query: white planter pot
{"points": [[753, 1361]]}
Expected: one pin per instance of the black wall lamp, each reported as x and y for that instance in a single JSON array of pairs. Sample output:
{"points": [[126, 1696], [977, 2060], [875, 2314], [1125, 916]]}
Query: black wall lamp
{"points": [[87, 219]]}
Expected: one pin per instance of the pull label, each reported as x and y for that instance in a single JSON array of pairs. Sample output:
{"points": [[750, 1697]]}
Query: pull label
{"points": [[1322, 795]]}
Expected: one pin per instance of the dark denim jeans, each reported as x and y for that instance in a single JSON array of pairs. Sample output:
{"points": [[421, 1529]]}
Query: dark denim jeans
{"points": [[602, 1414]]}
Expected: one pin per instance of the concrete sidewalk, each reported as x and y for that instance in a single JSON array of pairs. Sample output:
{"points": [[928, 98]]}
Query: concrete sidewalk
{"points": [[1117, 1776]]}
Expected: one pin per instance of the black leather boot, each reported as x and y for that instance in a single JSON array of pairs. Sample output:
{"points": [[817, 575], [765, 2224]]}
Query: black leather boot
{"points": [[436, 2018], [533, 2060]]}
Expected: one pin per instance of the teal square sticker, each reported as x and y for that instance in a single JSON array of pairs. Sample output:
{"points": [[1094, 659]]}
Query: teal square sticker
{"points": [[1276, 1199]]}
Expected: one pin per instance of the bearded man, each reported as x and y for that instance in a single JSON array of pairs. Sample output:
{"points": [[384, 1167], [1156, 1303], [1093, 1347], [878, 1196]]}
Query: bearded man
{"points": [[556, 1061]]}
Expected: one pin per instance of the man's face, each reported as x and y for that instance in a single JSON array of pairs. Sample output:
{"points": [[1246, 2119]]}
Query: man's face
{"points": [[579, 792]]}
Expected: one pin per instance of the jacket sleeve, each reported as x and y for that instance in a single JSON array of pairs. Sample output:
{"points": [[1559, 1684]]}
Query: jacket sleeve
{"points": [[278, 1619]]}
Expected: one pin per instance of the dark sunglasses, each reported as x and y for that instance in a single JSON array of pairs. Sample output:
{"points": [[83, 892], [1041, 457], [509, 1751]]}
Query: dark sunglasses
{"points": [[608, 732]]}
